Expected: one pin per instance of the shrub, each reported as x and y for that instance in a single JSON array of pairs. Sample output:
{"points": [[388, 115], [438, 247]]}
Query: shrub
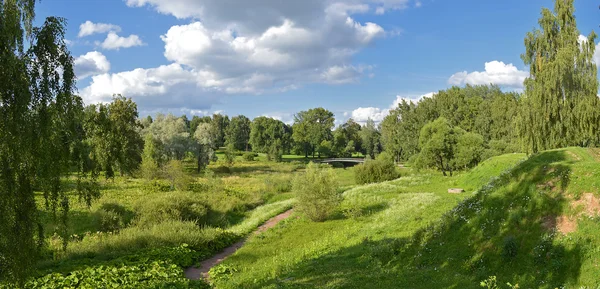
{"points": [[173, 172], [374, 171], [316, 192], [337, 165], [177, 206], [249, 156], [112, 217], [509, 247], [229, 155]]}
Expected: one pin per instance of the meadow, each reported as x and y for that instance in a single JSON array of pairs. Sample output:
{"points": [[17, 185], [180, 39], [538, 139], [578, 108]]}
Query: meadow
{"points": [[527, 222], [139, 226]]}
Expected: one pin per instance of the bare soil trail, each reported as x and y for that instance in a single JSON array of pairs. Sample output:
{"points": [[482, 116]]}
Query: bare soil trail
{"points": [[196, 273]]}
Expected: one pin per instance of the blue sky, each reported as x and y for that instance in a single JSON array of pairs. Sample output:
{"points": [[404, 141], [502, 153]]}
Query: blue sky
{"points": [[271, 57]]}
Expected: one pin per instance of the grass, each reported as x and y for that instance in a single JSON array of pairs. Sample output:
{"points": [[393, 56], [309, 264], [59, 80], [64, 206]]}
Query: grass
{"points": [[413, 234], [342, 252], [218, 209]]}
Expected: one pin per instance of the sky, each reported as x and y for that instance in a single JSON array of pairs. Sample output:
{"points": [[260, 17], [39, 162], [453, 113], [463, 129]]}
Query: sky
{"points": [[356, 58]]}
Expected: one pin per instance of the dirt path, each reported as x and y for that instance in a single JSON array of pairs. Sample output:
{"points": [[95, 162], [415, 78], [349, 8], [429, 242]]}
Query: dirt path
{"points": [[196, 273]]}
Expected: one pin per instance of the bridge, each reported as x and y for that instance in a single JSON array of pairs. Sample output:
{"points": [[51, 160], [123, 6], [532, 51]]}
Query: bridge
{"points": [[340, 160]]}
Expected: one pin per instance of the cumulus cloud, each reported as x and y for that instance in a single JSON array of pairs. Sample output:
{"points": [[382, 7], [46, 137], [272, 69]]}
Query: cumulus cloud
{"points": [[362, 114], [496, 72], [116, 42], [88, 28], [167, 86], [91, 63], [232, 51]]}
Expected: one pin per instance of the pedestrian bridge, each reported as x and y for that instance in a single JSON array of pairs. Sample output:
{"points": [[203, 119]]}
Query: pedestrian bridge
{"points": [[340, 160]]}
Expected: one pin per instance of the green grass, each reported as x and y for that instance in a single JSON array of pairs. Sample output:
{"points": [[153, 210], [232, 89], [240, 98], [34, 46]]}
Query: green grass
{"points": [[352, 250], [237, 198]]}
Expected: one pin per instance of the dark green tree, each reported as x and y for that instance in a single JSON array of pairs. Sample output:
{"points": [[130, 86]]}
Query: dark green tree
{"points": [[312, 127], [238, 133], [219, 127]]}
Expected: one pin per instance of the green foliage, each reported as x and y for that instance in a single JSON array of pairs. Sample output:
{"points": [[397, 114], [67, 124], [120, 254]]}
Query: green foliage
{"points": [[469, 150], [173, 171], [229, 155], [172, 206], [112, 217], [237, 133], [268, 135], [560, 106], [370, 137], [317, 193], [41, 136], [112, 132], [205, 141], [249, 156], [448, 148], [149, 168], [311, 128], [510, 247], [171, 135], [156, 268], [219, 125], [377, 170]]}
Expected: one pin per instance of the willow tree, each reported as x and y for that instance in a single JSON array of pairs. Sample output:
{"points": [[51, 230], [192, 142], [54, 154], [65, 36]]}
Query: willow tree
{"points": [[39, 130], [560, 106]]}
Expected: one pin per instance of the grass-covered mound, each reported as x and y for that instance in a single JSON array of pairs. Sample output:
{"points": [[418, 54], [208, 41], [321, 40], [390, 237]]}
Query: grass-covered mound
{"points": [[358, 247], [535, 225]]}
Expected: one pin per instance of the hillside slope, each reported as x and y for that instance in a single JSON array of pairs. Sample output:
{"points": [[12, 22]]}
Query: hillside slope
{"points": [[364, 245], [536, 226]]}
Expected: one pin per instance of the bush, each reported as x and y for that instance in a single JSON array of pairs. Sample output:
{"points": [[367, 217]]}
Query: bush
{"points": [[337, 165], [249, 156], [316, 192], [176, 206], [112, 217], [374, 171], [229, 155], [509, 247], [173, 172]]}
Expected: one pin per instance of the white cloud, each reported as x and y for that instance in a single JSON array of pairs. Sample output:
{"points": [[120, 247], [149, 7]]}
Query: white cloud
{"points": [[362, 114], [496, 72], [88, 28], [418, 4], [115, 42], [91, 63], [167, 86], [259, 47], [386, 5]]}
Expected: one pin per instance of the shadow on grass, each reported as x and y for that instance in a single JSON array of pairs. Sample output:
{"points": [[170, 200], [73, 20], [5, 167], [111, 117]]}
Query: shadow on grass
{"points": [[497, 232]]}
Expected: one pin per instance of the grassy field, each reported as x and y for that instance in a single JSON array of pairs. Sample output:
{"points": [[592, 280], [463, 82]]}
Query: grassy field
{"points": [[138, 225], [536, 225], [532, 222]]}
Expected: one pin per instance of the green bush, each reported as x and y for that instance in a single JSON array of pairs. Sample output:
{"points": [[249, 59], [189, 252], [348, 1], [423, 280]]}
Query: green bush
{"points": [[177, 206], [249, 156], [174, 173], [374, 171], [316, 192], [112, 217], [337, 165]]}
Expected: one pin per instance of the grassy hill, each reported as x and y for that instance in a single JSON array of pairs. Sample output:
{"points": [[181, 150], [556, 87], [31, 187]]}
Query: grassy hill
{"points": [[535, 225], [363, 246]]}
